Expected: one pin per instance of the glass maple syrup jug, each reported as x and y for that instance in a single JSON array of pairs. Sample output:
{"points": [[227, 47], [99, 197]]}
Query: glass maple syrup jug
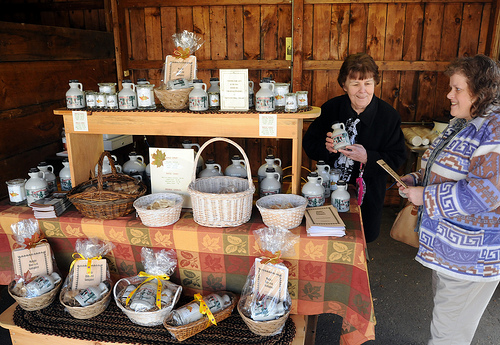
{"points": [[187, 144], [313, 190], [264, 98], [271, 162]]}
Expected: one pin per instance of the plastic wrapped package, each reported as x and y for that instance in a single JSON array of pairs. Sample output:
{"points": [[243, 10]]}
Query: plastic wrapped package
{"points": [[86, 290], [265, 302], [149, 297], [36, 275]]}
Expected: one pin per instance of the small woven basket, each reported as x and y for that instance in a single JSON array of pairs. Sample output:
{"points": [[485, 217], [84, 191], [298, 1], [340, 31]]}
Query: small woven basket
{"points": [[162, 216], [185, 331], [175, 99], [89, 311], [265, 328], [287, 218], [107, 196], [221, 210], [147, 318], [36, 303]]}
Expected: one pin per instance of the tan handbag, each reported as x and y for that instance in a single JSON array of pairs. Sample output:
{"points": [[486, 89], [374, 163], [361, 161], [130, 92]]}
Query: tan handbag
{"points": [[403, 229]]}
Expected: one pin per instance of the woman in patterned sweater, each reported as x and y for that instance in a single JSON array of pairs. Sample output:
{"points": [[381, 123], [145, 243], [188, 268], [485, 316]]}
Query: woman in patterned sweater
{"points": [[458, 191]]}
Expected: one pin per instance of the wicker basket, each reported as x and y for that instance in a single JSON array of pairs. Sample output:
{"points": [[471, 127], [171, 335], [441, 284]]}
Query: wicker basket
{"points": [[175, 99], [162, 216], [221, 210], [35, 303], [89, 311], [287, 218], [148, 318], [183, 332], [265, 328], [113, 202]]}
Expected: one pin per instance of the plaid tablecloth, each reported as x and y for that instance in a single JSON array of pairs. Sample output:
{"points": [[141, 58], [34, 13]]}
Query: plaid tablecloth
{"points": [[327, 274]]}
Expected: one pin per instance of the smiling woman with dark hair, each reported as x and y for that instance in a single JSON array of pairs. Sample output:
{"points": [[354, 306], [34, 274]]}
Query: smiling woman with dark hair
{"points": [[375, 132], [458, 191]]}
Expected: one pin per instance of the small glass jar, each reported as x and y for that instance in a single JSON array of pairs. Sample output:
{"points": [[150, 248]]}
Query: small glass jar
{"points": [[100, 100], [111, 101], [17, 192], [145, 96], [90, 99], [107, 87], [290, 103], [302, 99]]}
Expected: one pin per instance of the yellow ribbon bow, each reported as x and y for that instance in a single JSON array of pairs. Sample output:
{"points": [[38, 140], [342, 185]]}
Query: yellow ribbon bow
{"points": [[204, 308], [271, 258], [159, 287], [78, 257]]}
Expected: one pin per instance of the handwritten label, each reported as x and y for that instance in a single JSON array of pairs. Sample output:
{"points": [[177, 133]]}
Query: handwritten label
{"points": [[268, 125], [80, 123]]}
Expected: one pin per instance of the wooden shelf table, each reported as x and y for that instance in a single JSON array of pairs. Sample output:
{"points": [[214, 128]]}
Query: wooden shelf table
{"points": [[85, 148]]}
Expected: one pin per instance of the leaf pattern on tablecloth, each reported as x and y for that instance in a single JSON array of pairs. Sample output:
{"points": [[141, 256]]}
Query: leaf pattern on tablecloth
{"points": [[215, 283], [190, 279], [50, 229], [75, 232], [163, 239], [126, 270], [313, 251], [341, 252], [187, 259], [213, 263], [313, 271], [211, 243], [117, 236], [237, 245], [336, 308], [312, 291], [138, 237], [362, 305]]}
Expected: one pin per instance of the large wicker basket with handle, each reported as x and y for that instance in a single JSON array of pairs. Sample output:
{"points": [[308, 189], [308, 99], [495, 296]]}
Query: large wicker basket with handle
{"points": [[107, 196], [213, 209]]}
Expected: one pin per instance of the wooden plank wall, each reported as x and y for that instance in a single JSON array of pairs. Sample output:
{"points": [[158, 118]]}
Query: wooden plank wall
{"points": [[412, 41], [36, 63]]}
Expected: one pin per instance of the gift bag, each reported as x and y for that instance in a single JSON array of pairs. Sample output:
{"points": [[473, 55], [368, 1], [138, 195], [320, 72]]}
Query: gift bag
{"points": [[37, 279], [403, 229], [149, 297], [87, 289], [265, 302]]}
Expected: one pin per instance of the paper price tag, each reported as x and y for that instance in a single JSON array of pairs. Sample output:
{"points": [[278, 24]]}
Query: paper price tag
{"points": [[268, 125], [80, 123]]}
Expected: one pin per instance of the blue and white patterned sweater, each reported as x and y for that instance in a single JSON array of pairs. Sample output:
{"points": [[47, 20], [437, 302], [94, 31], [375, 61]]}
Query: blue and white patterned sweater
{"points": [[460, 228]]}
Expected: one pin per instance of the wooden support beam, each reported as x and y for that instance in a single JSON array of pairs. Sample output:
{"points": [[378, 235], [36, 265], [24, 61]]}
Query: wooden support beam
{"points": [[297, 38]]}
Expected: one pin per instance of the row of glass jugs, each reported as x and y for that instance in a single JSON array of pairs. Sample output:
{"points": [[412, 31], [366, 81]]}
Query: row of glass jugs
{"points": [[271, 96]]}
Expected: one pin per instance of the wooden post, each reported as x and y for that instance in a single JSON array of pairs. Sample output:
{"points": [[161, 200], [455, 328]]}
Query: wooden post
{"points": [[298, 36], [493, 40], [118, 47]]}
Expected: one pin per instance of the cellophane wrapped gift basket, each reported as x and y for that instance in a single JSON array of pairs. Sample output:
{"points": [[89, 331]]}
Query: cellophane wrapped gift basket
{"points": [[201, 313], [36, 277], [87, 289], [265, 303], [179, 71], [149, 297]]}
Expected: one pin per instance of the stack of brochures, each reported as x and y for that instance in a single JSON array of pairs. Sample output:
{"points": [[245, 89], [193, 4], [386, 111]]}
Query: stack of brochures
{"points": [[324, 221], [52, 206]]}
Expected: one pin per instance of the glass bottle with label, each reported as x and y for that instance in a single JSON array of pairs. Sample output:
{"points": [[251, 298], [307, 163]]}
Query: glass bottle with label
{"points": [[127, 97], [36, 187], [271, 184], [198, 97], [264, 98], [341, 197], [75, 97], [145, 94], [280, 90], [313, 190], [250, 94], [214, 94]]}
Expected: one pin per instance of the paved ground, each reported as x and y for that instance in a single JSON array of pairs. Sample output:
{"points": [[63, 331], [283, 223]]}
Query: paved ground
{"points": [[401, 290]]}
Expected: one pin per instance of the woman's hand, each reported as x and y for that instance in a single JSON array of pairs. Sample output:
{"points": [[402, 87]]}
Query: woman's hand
{"points": [[329, 143], [355, 152], [415, 195]]}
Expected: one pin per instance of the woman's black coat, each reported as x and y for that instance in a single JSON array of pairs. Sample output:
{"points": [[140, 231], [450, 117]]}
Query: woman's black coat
{"points": [[379, 131]]}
